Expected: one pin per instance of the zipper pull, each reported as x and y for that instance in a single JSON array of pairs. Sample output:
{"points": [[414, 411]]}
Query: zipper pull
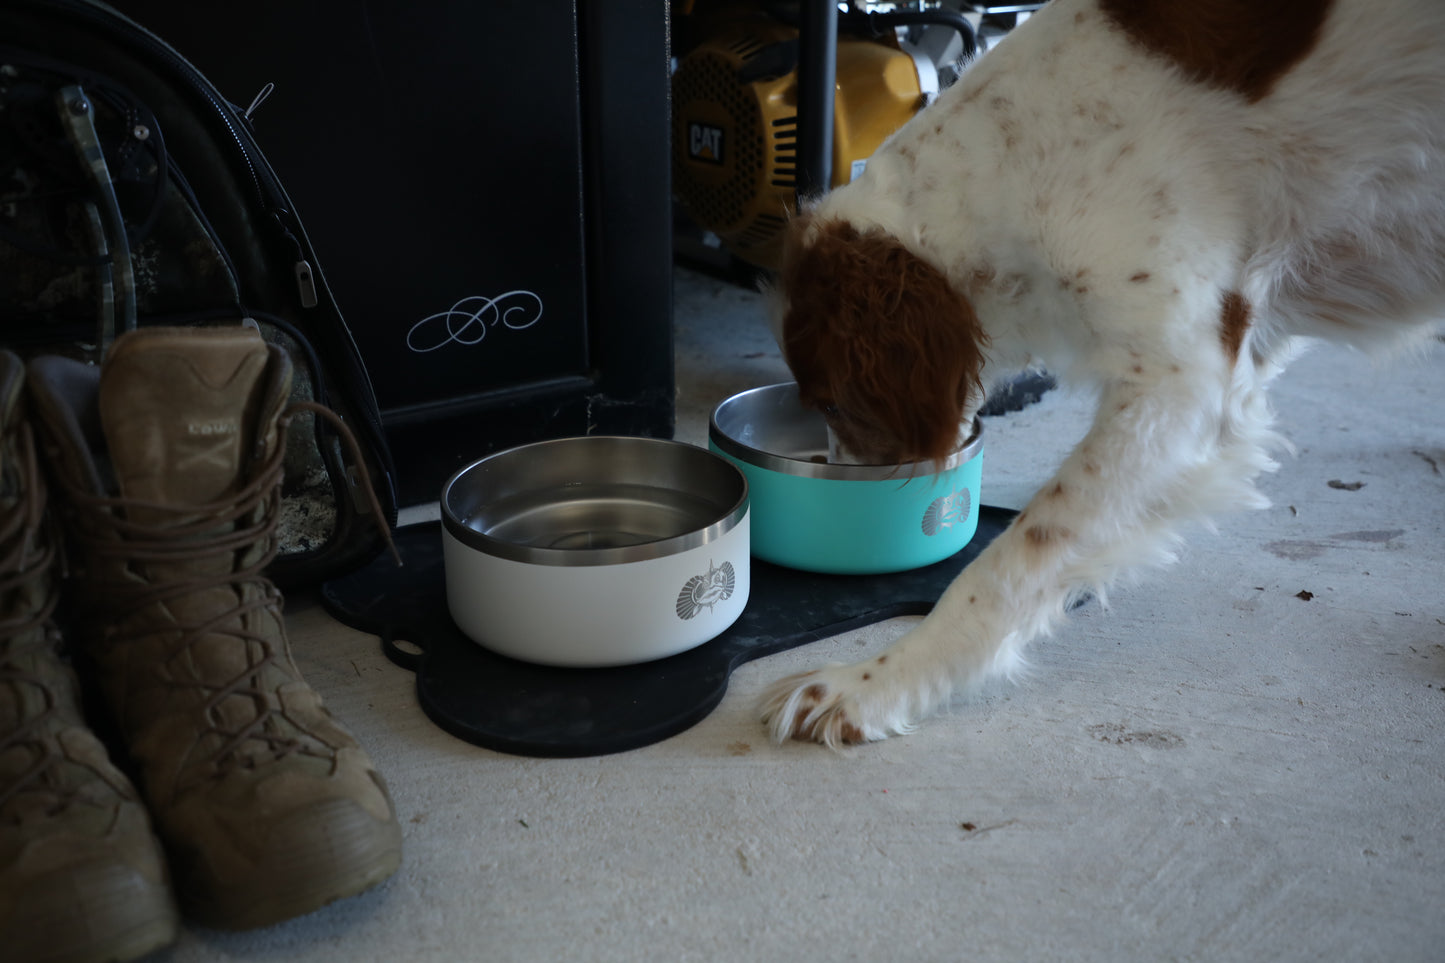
{"points": [[259, 99], [306, 283], [305, 276]]}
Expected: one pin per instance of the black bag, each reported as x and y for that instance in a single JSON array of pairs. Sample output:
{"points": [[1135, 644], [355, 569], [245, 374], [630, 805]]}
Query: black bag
{"points": [[133, 193]]}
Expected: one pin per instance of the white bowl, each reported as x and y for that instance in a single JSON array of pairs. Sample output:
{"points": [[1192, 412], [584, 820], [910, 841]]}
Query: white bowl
{"points": [[596, 551]]}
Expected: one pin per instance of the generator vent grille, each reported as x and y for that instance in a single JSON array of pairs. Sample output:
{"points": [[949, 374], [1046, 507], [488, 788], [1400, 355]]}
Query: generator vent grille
{"points": [[711, 78]]}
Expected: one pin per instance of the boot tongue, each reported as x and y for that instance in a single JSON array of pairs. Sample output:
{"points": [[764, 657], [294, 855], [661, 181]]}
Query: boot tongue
{"points": [[180, 409]]}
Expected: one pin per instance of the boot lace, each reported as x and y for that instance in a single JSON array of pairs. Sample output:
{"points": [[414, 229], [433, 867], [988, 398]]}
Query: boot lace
{"points": [[25, 568], [221, 540], [20, 562]]}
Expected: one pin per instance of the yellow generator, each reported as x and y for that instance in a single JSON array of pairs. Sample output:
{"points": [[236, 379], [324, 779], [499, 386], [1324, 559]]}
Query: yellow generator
{"points": [[735, 106]]}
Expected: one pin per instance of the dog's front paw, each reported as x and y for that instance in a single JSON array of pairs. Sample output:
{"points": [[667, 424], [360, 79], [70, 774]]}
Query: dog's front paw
{"points": [[837, 706]]}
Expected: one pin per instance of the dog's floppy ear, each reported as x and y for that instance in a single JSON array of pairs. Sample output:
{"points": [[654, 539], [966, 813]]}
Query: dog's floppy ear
{"points": [[876, 331]]}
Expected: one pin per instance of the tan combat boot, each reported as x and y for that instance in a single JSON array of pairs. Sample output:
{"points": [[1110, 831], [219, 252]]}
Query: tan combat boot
{"points": [[167, 465], [81, 876]]}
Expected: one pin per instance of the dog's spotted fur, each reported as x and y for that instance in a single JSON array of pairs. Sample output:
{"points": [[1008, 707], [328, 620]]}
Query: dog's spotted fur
{"points": [[1156, 197]]}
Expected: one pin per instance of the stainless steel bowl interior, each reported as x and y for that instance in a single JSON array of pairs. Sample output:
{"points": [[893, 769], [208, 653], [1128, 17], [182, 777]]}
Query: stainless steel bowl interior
{"points": [[770, 428], [595, 500]]}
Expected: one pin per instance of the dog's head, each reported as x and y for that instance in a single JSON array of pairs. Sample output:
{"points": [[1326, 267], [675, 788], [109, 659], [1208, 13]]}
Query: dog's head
{"points": [[878, 340]]}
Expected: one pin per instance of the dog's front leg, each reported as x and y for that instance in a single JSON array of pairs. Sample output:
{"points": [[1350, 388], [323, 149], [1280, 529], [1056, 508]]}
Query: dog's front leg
{"points": [[1156, 455]]}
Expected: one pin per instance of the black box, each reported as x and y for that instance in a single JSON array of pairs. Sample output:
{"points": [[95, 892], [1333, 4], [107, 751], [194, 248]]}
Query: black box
{"points": [[487, 186]]}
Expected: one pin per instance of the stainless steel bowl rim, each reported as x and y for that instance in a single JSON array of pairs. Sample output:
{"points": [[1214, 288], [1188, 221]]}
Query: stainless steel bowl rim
{"points": [[658, 548], [787, 465]]}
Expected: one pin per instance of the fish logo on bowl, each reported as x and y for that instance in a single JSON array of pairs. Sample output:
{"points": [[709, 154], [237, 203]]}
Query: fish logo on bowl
{"points": [[705, 591], [947, 511]]}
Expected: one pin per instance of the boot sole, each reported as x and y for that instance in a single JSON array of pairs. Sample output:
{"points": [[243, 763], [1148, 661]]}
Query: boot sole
{"points": [[336, 851]]}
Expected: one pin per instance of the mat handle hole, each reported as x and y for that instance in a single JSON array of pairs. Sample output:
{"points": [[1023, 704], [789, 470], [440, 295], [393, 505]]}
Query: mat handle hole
{"points": [[403, 652]]}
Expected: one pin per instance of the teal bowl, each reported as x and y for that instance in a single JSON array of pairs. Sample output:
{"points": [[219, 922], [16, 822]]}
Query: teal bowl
{"points": [[847, 519]]}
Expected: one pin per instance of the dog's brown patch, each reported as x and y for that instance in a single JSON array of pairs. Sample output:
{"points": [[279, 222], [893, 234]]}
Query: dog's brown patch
{"points": [[980, 278], [1163, 205], [1046, 536], [877, 332], [968, 96], [1241, 45], [1233, 323]]}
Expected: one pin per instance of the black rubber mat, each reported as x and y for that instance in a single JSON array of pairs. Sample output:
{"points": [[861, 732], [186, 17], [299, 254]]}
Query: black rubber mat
{"points": [[533, 710]]}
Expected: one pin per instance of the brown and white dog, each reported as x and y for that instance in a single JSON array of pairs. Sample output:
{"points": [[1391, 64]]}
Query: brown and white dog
{"points": [[1158, 198]]}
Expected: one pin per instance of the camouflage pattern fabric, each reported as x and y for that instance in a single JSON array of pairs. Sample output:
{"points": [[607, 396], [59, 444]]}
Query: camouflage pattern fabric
{"points": [[98, 227]]}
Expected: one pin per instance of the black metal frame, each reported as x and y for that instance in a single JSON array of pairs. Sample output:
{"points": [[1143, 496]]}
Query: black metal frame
{"points": [[817, 80], [627, 202], [620, 379]]}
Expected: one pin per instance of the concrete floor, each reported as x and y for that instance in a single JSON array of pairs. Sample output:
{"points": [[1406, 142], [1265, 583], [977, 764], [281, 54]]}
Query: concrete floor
{"points": [[1243, 758]]}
